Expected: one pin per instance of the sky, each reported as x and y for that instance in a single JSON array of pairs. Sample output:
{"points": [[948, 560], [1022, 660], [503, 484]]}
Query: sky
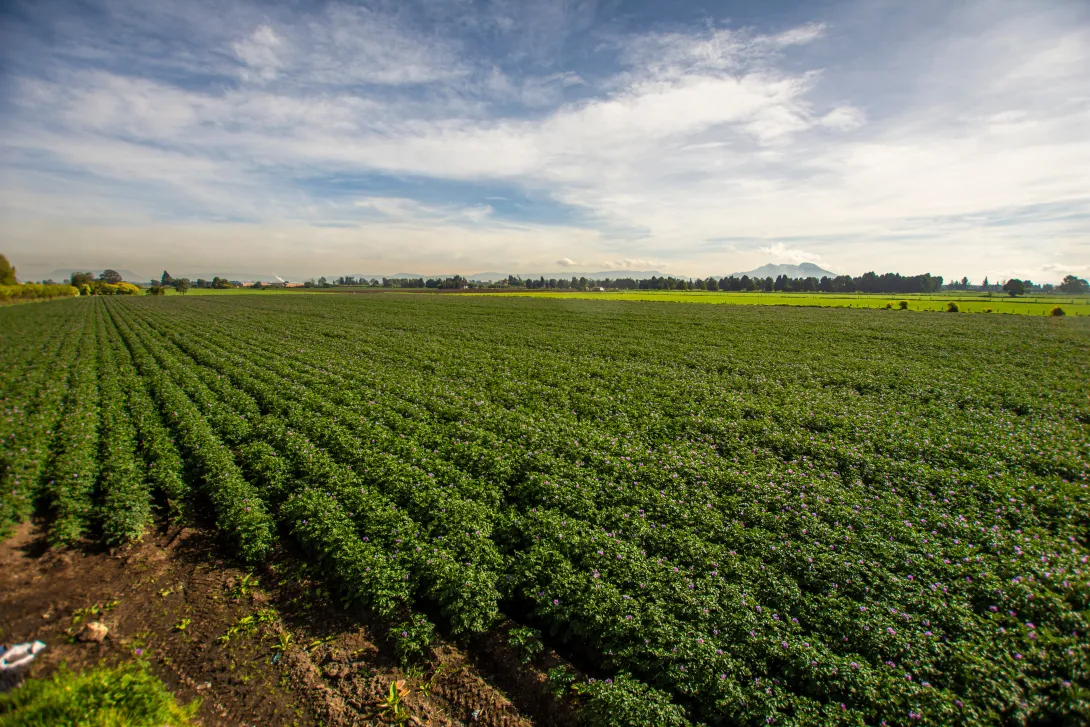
{"points": [[459, 136]]}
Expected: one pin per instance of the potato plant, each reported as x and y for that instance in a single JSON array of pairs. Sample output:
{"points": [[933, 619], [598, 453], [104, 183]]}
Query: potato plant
{"points": [[724, 515]]}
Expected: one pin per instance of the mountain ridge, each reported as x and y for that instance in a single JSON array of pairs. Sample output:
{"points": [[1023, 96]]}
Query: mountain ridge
{"points": [[774, 270]]}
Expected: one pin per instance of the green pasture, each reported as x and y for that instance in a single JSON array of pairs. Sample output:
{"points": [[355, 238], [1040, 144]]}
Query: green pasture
{"points": [[1039, 305], [967, 302]]}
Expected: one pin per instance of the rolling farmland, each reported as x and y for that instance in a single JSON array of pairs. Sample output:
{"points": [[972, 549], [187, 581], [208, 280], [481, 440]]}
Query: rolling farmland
{"points": [[720, 515]]}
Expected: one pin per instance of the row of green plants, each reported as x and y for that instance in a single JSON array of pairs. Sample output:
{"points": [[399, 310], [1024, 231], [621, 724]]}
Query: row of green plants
{"points": [[744, 518]]}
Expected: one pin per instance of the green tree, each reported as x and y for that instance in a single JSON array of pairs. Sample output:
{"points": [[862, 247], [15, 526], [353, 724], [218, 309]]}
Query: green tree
{"points": [[80, 279], [166, 280], [1074, 286], [1014, 287], [182, 285], [110, 276], [7, 272]]}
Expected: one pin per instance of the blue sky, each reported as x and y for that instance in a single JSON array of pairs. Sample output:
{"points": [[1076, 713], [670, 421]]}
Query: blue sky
{"points": [[695, 138]]}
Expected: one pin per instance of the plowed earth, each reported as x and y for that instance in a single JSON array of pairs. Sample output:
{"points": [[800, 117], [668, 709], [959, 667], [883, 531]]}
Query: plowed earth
{"points": [[334, 670]]}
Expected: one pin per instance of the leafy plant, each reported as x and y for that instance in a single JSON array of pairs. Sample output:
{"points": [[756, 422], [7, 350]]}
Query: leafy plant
{"points": [[412, 638], [391, 708], [124, 696], [527, 641]]}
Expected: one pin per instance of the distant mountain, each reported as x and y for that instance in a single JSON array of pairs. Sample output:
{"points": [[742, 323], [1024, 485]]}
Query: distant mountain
{"points": [[802, 270]]}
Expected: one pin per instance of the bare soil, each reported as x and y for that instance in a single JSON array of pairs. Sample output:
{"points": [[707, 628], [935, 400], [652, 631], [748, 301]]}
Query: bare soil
{"points": [[271, 647]]}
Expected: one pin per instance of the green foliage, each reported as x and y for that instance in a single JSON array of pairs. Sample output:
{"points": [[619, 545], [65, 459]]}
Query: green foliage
{"points": [[7, 272], [1072, 285], [1014, 287], [626, 702], [1057, 311], [124, 696], [903, 305], [20, 293], [527, 641], [952, 307], [749, 513], [412, 638]]}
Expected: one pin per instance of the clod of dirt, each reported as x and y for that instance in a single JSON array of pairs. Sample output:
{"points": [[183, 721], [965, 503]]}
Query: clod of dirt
{"points": [[95, 631]]}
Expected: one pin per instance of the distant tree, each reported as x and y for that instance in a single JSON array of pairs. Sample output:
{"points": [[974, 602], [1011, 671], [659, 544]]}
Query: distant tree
{"points": [[711, 284], [965, 281], [156, 290], [257, 285], [1014, 287], [322, 282], [7, 272], [985, 282], [112, 277], [182, 285], [1074, 286], [166, 280], [78, 280]]}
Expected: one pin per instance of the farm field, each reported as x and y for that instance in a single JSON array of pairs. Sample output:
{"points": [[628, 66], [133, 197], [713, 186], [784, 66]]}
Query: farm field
{"points": [[719, 515], [967, 302]]}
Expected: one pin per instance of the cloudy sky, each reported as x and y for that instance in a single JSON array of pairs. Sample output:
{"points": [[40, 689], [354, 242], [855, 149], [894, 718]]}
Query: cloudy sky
{"points": [[449, 136]]}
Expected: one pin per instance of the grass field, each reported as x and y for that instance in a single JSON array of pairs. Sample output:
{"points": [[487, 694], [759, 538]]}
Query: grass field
{"points": [[967, 302], [714, 515]]}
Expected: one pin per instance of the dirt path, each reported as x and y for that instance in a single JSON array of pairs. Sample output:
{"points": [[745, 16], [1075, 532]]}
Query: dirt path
{"points": [[269, 648]]}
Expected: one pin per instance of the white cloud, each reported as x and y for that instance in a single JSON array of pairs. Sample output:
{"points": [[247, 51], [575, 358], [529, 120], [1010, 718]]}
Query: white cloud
{"points": [[405, 209], [566, 262], [975, 150], [844, 118], [780, 251], [260, 54]]}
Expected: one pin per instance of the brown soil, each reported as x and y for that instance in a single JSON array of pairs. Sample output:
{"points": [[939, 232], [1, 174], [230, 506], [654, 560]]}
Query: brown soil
{"points": [[302, 661]]}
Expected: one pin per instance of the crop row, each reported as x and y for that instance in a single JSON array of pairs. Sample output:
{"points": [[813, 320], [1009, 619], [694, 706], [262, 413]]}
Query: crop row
{"points": [[728, 518]]}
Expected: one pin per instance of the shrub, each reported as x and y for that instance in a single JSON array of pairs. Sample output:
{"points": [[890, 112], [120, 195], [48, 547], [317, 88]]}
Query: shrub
{"points": [[412, 639], [1057, 311], [34, 291], [626, 701], [889, 306], [127, 289], [989, 310], [527, 641], [125, 696], [952, 307], [903, 305]]}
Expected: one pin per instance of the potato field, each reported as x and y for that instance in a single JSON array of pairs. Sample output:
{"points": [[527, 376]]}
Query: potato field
{"points": [[717, 515]]}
